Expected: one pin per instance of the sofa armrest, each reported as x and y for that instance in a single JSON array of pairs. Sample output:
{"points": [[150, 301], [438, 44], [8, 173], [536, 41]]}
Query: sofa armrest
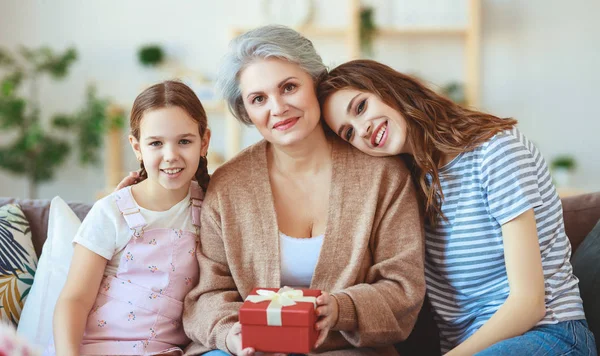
{"points": [[581, 213]]}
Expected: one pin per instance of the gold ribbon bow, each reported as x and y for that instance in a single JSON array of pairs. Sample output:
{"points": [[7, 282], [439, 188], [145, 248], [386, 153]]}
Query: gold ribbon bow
{"points": [[284, 297]]}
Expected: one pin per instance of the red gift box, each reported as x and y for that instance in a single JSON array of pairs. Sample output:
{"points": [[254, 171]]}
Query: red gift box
{"points": [[271, 324]]}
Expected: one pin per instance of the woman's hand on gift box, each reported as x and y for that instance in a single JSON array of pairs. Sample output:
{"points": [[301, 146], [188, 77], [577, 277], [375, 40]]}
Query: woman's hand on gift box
{"points": [[327, 312], [234, 344]]}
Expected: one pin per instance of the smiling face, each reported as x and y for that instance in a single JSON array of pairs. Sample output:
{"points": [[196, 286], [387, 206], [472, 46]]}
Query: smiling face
{"points": [[170, 147], [280, 100], [369, 124]]}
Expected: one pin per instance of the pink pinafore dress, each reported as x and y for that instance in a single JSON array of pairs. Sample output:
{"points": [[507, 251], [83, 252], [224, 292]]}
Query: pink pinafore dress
{"points": [[138, 311]]}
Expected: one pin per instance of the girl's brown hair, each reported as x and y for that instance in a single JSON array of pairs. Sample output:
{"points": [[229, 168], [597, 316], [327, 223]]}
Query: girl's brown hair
{"points": [[436, 126], [171, 94]]}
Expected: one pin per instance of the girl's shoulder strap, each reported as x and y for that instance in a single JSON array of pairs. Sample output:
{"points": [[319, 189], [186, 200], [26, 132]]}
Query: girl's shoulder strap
{"points": [[129, 209], [197, 196]]}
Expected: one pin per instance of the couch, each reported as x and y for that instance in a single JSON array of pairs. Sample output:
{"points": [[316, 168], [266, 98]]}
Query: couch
{"points": [[581, 213]]}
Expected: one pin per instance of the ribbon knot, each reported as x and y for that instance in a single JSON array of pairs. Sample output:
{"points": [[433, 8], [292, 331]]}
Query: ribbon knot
{"points": [[284, 297]]}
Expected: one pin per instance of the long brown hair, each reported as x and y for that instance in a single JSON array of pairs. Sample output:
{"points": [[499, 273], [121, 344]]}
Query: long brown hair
{"points": [[171, 93], [436, 126]]}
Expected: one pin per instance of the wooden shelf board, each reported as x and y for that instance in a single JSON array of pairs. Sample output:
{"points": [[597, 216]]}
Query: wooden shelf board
{"points": [[310, 31], [421, 31]]}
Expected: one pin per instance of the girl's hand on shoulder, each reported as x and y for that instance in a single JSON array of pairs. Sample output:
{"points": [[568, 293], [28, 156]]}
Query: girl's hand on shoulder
{"points": [[327, 312], [234, 343], [131, 179]]}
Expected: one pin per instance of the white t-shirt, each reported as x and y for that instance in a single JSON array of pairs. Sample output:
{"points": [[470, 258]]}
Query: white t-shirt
{"points": [[104, 231], [299, 258]]}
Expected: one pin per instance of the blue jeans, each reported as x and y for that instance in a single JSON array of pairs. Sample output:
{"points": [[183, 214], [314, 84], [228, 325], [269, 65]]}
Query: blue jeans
{"points": [[571, 337]]}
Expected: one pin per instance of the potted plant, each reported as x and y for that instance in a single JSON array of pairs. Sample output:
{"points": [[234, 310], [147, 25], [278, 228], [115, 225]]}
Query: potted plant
{"points": [[34, 150], [562, 169], [151, 55], [367, 30]]}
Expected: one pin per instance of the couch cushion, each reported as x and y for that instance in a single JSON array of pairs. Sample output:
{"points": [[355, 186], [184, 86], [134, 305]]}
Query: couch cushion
{"points": [[586, 266], [18, 262], [36, 211], [36, 320], [580, 213]]}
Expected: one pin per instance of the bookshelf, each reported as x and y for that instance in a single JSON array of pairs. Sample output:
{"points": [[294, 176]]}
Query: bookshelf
{"points": [[470, 34]]}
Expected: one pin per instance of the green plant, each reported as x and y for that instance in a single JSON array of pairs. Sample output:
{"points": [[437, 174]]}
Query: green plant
{"points": [[36, 151], [367, 30], [90, 124], [455, 91], [563, 162], [151, 55]]}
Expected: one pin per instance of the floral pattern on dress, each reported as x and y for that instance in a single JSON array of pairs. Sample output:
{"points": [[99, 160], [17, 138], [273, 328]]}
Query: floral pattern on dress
{"points": [[142, 344], [153, 273]]}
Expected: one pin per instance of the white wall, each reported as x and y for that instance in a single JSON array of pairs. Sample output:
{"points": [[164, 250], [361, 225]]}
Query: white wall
{"points": [[539, 64]]}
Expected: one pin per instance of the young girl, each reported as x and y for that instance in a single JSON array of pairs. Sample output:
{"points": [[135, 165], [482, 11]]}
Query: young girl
{"points": [[497, 257], [135, 253]]}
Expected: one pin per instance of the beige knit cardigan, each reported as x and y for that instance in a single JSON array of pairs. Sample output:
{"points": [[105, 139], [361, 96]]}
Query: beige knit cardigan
{"points": [[371, 257]]}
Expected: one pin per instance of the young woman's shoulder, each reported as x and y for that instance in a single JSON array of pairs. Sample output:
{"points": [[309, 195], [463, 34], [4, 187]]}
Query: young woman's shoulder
{"points": [[506, 144]]}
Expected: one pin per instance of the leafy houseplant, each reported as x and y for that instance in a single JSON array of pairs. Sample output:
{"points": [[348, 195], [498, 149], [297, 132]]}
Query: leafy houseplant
{"points": [[562, 168], [367, 30], [455, 91], [563, 162], [36, 151], [151, 55]]}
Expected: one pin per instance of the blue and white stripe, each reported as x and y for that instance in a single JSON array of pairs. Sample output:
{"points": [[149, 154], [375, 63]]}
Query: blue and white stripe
{"points": [[465, 270]]}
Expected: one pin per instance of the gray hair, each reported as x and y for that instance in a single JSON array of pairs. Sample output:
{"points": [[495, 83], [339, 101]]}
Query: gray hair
{"points": [[272, 41]]}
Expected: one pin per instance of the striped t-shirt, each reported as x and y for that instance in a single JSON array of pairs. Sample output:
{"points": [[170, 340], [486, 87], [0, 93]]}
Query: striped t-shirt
{"points": [[465, 270]]}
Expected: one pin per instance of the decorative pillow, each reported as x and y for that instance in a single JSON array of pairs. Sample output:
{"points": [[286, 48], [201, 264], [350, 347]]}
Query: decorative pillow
{"points": [[36, 320], [18, 262], [586, 266]]}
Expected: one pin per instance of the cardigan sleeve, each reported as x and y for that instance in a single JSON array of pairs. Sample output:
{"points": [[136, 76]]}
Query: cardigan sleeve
{"points": [[384, 309], [211, 308]]}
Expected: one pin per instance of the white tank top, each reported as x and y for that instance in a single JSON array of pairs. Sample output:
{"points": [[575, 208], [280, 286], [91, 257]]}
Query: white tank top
{"points": [[298, 259]]}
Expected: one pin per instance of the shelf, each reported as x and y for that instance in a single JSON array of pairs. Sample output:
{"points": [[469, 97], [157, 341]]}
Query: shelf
{"points": [[317, 32], [310, 31], [422, 31], [349, 35]]}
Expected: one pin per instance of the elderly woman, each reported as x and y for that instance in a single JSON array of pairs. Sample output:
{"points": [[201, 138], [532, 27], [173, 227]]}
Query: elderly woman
{"points": [[302, 208]]}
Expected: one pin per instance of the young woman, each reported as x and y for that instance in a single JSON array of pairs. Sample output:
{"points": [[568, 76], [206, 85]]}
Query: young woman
{"points": [[497, 257]]}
